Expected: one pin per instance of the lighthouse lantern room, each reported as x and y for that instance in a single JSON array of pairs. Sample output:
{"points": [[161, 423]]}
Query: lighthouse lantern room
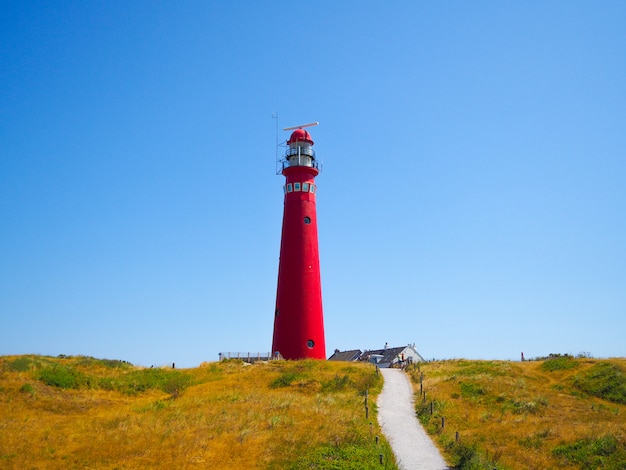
{"points": [[298, 317]]}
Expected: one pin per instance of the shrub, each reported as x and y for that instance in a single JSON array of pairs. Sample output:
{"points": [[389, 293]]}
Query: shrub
{"points": [[345, 457], [476, 368], [285, 379], [62, 377], [466, 456], [168, 381], [603, 380], [422, 410], [337, 383], [21, 364], [107, 363], [601, 452], [470, 389], [559, 363], [27, 388]]}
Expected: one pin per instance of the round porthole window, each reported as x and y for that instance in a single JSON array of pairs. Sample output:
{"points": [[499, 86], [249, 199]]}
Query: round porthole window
{"points": [[307, 220], [310, 344]]}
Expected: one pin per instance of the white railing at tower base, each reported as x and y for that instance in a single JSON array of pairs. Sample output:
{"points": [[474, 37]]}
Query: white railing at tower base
{"points": [[249, 357]]}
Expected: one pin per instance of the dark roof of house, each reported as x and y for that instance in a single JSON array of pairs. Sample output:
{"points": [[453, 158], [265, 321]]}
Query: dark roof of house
{"points": [[388, 354], [347, 356]]}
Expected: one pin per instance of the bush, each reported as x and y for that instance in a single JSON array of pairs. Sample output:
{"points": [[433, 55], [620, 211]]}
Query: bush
{"points": [[603, 380], [477, 368], [601, 452], [136, 381], [285, 379], [21, 364], [559, 363], [62, 377], [168, 381], [469, 389], [107, 363], [337, 383], [27, 388], [346, 457]]}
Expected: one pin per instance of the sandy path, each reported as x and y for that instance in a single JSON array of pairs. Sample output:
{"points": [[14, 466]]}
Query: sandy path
{"points": [[396, 414]]}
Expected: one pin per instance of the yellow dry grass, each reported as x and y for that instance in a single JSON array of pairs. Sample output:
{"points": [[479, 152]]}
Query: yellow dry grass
{"points": [[267, 415], [517, 414]]}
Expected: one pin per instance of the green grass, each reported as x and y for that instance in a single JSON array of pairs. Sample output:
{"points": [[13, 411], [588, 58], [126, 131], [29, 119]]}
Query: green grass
{"points": [[285, 379], [590, 453], [81, 375], [357, 456], [167, 380], [559, 363], [603, 380], [62, 377], [471, 389]]}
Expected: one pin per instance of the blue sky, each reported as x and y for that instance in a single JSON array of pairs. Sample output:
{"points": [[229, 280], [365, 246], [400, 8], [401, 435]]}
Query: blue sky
{"points": [[472, 199]]}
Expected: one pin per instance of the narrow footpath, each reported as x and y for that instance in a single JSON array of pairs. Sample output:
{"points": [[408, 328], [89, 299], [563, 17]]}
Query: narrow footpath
{"points": [[412, 447]]}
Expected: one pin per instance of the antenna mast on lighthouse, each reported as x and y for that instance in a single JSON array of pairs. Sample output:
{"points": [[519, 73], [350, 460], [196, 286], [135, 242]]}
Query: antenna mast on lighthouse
{"points": [[298, 317]]}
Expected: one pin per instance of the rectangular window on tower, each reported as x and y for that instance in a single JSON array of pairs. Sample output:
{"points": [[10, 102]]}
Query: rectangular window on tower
{"points": [[289, 188], [296, 186], [285, 189], [305, 187], [312, 188]]}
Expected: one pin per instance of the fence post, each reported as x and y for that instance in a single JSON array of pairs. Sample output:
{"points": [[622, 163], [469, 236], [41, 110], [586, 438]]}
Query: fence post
{"points": [[443, 422], [431, 407], [456, 436], [367, 412], [380, 458]]}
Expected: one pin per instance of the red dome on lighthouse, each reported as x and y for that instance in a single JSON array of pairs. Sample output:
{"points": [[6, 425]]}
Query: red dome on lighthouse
{"points": [[300, 135]]}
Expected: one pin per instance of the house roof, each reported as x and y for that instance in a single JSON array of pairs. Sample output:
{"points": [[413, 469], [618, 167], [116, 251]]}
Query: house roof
{"points": [[388, 355], [347, 356], [384, 356]]}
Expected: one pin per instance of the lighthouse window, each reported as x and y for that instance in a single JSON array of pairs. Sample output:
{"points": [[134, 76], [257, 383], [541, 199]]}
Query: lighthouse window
{"points": [[310, 344], [296, 186], [312, 188], [289, 188], [307, 220], [285, 189], [305, 187]]}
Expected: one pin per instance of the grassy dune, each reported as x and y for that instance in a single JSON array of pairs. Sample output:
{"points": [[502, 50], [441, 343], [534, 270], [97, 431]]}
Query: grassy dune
{"points": [[81, 412], [562, 412]]}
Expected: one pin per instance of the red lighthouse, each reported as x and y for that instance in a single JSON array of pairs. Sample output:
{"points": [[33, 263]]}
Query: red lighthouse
{"points": [[298, 318]]}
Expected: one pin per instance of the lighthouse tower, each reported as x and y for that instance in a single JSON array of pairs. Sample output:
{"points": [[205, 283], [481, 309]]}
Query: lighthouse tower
{"points": [[298, 318]]}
